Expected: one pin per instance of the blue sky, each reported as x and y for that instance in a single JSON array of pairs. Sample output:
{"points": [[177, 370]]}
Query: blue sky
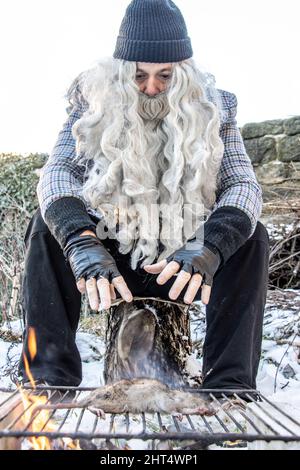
{"points": [[252, 48]]}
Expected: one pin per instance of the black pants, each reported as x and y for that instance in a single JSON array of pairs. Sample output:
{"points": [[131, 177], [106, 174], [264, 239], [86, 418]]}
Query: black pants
{"points": [[51, 304]]}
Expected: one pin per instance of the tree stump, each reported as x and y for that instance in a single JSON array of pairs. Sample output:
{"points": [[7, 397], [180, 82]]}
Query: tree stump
{"points": [[148, 337]]}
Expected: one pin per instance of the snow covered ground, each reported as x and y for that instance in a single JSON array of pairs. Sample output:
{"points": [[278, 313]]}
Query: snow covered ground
{"points": [[279, 370]]}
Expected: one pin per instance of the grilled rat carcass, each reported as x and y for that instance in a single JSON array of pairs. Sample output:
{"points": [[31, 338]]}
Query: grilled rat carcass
{"points": [[137, 396]]}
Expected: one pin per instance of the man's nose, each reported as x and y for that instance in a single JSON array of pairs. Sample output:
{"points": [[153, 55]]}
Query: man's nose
{"points": [[152, 88]]}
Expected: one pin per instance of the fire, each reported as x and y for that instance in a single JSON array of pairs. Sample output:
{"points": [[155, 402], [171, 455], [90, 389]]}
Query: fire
{"points": [[40, 421], [30, 402], [27, 368], [71, 444], [32, 347]]}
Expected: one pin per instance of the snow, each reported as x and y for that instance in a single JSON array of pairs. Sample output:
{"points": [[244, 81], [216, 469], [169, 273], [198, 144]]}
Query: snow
{"points": [[193, 366], [92, 351], [279, 230]]}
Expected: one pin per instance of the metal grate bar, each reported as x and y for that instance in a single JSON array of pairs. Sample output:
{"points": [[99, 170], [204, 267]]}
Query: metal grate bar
{"points": [[222, 424], [20, 416], [231, 416], [190, 422], [176, 424], [273, 418], [295, 421], [95, 425], [248, 419], [161, 427], [144, 422], [79, 420], [54, 411], [112, 423], [268, 426], [64, 420], [49, 419], [127, 421], [54, 388], [207, 424], [216, 437], [227, 412], [227, 391]]}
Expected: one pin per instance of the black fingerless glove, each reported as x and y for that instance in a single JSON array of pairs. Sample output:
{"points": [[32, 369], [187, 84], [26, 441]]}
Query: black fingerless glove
{"points": [[89, 258], [194, 258]]}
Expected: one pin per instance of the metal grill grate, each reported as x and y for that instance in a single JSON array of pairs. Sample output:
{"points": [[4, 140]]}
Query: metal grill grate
{"points": [[243, 416]]}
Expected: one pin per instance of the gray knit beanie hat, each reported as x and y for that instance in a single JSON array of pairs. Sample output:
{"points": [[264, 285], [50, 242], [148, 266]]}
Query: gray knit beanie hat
{"points": [[153, 31]]}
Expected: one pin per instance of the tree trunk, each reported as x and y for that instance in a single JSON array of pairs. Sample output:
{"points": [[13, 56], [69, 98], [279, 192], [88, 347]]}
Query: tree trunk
{"points": [[147, 338]]}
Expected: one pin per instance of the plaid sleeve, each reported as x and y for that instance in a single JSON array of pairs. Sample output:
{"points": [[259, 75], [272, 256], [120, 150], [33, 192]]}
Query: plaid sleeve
{"points": [[237, 185], [61, 176]]}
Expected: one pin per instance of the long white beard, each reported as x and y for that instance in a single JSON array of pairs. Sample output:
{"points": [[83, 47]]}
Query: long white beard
{"points": [[138, 224], [148, 193]]}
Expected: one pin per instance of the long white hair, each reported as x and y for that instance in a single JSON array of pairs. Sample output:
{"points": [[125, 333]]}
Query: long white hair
{"points": [[149, 176]]}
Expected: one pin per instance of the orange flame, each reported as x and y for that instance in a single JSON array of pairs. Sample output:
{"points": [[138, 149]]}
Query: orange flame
{"points": [[32, 347], [28, 372], [40, 421], [71, 444]]}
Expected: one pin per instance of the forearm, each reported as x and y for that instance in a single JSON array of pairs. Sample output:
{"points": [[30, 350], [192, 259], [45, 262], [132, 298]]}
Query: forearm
{"points": [[245, 195], [67, 216], [226, 230]]}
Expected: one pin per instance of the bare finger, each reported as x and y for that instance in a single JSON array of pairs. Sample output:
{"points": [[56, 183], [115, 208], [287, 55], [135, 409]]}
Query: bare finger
{"points": [[169, 271], [205, 295], [92, 291], [104, 292], [193, 287], [81, 285], [112, 292], [156, 267], [181, 281], [121, 286]]}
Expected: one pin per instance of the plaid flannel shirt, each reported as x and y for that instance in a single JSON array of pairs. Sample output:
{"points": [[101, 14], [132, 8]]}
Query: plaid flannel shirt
{"points": [[237, 186]]}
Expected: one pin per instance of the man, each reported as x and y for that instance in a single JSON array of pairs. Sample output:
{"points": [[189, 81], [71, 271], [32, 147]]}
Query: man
{"points": [[149, 176]]}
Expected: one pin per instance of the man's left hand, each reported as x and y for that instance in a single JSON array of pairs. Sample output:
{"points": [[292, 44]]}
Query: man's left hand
{"points": [[195, 263]]}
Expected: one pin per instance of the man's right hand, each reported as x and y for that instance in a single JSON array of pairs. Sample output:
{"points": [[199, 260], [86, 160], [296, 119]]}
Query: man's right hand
{"points": [[95, 270]]}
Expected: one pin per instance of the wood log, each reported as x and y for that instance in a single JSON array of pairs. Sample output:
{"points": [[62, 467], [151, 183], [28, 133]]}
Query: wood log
{"points": [[148, 337], [9, 411]]}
